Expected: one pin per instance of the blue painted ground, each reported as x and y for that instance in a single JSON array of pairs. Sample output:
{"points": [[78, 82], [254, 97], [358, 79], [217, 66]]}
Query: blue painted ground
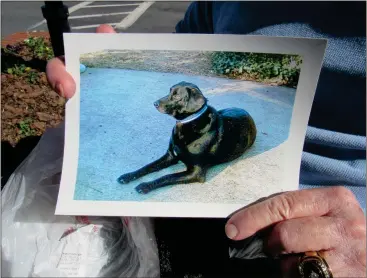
{"points": [[121, 131]]}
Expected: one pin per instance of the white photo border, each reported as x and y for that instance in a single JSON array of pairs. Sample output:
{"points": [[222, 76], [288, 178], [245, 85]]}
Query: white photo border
{"points": [[311, 50]]}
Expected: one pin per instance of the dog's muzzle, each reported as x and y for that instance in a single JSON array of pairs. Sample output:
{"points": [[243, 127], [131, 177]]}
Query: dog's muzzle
{"points": [[156, 104]]}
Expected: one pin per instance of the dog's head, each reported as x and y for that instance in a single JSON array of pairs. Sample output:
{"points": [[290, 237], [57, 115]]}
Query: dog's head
{"points": [[183, 100]]}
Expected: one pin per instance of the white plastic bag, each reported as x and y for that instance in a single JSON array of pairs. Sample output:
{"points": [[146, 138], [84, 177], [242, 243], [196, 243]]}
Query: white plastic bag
{"points": [[37, 243]]}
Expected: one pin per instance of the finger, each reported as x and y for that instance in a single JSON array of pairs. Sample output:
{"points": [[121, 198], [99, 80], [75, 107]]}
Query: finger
{"points": [[105, 28], [305, 234], [59, 79], [294, 204], [258, 201]]}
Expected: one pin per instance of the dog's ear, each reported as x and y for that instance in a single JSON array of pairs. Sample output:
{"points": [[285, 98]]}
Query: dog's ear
{"points": [[196, 94], [197, 99]]}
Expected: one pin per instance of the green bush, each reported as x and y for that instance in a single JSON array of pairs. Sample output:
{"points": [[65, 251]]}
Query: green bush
{"points": [[284, 69]]}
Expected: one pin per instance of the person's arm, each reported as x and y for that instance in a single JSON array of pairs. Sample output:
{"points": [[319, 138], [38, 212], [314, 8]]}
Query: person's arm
{"points": [[197, 19]]}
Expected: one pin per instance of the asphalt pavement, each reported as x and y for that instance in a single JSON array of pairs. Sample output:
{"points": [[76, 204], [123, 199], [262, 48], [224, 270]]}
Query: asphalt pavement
{"points": [[85, 16]]}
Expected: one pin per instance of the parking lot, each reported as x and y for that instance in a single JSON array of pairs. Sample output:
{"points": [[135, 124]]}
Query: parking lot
{"points": [[85, 16]]}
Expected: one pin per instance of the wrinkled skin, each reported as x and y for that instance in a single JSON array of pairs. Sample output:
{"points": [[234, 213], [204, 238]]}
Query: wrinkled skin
{"points": [[328, 219]]}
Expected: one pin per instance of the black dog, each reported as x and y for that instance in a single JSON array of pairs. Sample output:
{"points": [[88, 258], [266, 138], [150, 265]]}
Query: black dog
{"points": [[202, 137]]}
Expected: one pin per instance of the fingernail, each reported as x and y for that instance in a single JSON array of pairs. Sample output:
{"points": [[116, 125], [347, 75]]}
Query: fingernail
{"points": [[231, 231], [60, 89]]}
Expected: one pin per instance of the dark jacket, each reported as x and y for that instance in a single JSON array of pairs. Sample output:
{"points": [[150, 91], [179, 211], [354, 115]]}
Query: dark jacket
{"points": [[335, 145]]}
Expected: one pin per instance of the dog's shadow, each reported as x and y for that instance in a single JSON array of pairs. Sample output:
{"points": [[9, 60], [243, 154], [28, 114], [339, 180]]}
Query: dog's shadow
{"points": [[271, 132], [264, 142], [258, 148]]}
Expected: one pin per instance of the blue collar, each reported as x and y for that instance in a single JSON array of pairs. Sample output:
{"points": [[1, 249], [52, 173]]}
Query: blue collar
{"points": [[193, 116]]}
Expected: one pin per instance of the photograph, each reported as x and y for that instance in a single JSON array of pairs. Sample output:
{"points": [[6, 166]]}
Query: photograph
{"points": [[163, 129]]}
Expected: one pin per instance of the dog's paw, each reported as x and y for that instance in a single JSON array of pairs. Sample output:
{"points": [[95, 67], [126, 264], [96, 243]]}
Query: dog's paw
{"points": [[143, 188], [126, 178]]}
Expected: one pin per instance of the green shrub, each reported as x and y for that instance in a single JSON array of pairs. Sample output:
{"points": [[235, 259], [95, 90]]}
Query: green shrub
{"points": [[285, 69]]}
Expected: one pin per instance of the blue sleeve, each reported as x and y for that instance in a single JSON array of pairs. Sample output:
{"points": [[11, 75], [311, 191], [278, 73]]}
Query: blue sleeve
{"points": [[197, 19]]}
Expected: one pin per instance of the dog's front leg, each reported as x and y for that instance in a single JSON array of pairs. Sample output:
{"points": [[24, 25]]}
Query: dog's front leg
{"points": [[192, 174], [165, 161]]}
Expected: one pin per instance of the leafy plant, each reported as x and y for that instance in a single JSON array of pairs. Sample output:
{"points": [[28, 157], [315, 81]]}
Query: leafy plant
{"points": [[39, 47], [17, 70], [32, 77], [21, 70], [25, 128], [258, 66]]}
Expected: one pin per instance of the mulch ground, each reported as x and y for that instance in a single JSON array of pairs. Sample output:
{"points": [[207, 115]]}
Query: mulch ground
{"points": [[29, 105]]}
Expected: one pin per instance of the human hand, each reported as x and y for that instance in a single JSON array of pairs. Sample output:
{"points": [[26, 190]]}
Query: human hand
{"points": [[59, 79], [329, 220]]}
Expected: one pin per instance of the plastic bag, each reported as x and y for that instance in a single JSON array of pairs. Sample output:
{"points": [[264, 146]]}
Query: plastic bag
{"points": [[37, 243]]}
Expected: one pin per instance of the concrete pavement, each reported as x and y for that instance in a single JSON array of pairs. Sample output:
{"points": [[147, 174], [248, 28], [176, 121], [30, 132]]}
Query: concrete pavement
{"points": [[121, 131]]}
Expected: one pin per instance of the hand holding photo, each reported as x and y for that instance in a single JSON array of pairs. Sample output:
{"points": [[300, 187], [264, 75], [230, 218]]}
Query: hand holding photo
{"points": [[185, 126]]}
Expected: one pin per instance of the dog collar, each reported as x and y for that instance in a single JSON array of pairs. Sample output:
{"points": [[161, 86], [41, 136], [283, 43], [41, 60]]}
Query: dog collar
{"points": [[193, 116]]}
